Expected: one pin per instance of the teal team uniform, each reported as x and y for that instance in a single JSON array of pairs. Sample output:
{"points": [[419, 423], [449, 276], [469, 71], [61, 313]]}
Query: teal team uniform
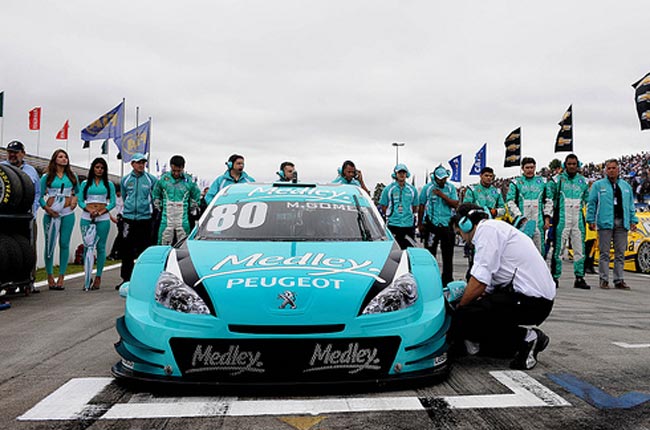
{"points": [[62, 187], [174, 197], [399, 202], [97, 193], [486, 197], [529, 197], [569, 196]]}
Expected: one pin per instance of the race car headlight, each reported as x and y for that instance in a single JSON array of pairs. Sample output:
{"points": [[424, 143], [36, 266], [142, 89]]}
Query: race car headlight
{"points": [[401, 294], [173, 293]]}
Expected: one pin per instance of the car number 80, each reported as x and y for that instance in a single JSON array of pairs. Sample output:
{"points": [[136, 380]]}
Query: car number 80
{"points": [[249, 215]]}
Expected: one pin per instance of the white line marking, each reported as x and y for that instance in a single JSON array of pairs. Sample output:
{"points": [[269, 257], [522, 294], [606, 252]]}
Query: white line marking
{"points": [[77, 275], [632, 345], [69, 402]]}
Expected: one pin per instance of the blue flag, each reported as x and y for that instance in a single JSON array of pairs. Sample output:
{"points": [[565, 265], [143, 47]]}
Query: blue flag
{"points": [[456, 164], [479, 160], [134, 141], [109, 125]]}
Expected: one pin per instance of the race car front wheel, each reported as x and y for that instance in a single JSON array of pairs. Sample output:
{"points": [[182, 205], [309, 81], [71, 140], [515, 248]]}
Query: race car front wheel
{"points": [[643, 258]]}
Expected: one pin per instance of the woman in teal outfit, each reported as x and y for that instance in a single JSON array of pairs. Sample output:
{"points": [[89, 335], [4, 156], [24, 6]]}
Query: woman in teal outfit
{"points": [[59, 191], [97, 198]]}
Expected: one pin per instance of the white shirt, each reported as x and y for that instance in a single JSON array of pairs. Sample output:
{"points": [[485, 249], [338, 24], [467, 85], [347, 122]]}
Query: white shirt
{"points": [[505, 254]]}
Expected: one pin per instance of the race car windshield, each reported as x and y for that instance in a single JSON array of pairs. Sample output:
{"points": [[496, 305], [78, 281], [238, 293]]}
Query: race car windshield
{"points": [[289, 221]]}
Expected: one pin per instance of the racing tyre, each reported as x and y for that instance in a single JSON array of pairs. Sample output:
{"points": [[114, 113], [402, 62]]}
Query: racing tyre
{"points": [[27, 257], [27, 190], [12, 264], [11, 190], [643, 258]]}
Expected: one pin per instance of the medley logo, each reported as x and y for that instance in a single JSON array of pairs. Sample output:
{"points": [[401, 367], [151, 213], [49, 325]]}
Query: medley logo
{"points": [[315, 264], [311, 194], [354, 358], [234, 360]]}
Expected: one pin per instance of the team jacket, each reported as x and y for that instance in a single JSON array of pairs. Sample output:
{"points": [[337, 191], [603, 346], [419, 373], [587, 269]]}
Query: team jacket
{"points": [[136, 194], [601, 204]]}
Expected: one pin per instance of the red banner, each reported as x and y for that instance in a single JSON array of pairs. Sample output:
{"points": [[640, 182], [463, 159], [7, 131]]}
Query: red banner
{"points": [[35, 119], [63, 133]]}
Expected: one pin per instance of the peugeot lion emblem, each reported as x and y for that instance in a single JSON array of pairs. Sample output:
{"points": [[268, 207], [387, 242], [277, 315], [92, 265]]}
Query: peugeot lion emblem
{"points": [[288, 298]]}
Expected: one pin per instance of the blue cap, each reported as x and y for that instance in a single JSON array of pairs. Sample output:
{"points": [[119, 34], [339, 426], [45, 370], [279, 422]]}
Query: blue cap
{"points": [[138, 156], [401, 168]]}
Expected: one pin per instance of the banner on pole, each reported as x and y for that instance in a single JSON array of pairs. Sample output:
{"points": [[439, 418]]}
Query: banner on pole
{"points": [[564, 139], [513, 148], [456, 164], [63, 133], [109, 125], [35, 118], [479, 160], [642, 98], [133, 141]]}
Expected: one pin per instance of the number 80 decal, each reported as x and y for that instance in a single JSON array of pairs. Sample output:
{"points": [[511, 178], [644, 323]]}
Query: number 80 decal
{"points": [[251, 215]]}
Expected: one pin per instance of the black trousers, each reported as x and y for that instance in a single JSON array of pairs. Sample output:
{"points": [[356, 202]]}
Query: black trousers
{"points": [[495, 320], [136, 237], [446, 238], [400, 234]]}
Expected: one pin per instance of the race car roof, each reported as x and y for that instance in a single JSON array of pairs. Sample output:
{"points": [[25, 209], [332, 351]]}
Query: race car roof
{"points": [[283, 191]]}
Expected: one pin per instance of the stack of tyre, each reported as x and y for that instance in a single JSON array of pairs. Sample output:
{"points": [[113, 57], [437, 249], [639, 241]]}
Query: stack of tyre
{"points": [[16, 247]]}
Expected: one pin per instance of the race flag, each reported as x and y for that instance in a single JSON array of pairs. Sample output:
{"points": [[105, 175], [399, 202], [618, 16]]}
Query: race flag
{"points": [[456, 164], [133, 141], [35, 119], [109, 125], [63, 133], [2, 97], [513, 148], [564, 139], [642, 97], [479, 160], [105, 147]]}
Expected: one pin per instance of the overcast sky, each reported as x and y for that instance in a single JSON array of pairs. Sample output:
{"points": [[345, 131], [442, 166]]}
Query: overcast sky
{"points": [[318, 82]]}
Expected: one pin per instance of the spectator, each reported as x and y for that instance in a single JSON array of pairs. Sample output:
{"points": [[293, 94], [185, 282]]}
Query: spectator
{"points": [[611, 212], [136, 188]]}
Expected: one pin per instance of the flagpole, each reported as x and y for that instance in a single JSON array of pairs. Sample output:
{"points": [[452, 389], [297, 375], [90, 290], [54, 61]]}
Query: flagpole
{"points": [[149, 164], [38, 140], [2, 118], [122, 155]]}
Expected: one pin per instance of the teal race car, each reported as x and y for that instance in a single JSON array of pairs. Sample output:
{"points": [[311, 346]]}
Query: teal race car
{"points": [[284, 284]]}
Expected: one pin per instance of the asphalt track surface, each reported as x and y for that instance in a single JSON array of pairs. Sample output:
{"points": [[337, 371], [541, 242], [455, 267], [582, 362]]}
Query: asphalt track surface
{"points": [[57, 350]]}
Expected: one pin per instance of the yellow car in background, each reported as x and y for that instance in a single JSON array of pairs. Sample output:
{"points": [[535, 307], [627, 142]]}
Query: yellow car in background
{"points": [[637, 254]]}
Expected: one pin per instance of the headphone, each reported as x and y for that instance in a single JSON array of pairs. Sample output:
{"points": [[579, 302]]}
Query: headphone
{"points": [[280, 173], [347, 163], [564, 163], [229, 165], [394, 174], [465, 224]]}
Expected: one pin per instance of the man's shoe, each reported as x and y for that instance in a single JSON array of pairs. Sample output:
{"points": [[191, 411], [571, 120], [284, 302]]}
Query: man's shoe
{"points": [[580, 283], [621, 285], [604, 285], [117, 287], [525, 356], [557, 283], [542, 342]]}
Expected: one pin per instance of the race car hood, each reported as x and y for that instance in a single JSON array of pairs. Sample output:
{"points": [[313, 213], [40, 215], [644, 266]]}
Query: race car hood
{"points": [[283, 282]]}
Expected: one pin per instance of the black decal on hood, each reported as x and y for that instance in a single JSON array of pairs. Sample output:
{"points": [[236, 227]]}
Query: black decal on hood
{"points": [[387, 273], [190, 277]]}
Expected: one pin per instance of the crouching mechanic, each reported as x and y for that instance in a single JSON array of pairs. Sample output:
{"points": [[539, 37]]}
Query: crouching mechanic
{"points": [[399, 202], [175, 195], [509, 287]]}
